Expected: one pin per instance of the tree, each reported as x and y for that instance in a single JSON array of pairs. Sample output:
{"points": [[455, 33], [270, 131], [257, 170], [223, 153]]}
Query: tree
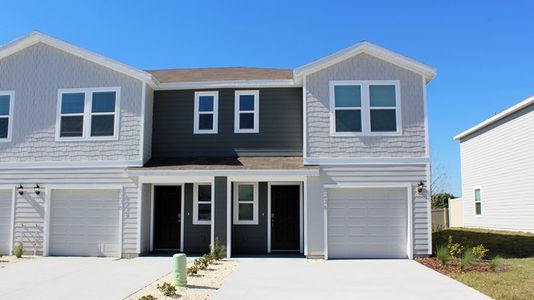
{"points": [[440, 200]]}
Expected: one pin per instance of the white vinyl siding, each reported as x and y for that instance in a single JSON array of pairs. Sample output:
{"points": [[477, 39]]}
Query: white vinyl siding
{"points": [[500, 161], [5, 221]]}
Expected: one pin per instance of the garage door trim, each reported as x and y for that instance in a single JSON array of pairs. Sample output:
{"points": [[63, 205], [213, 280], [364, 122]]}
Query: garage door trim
{"points": [[13, 190], [409, 189], [48, 192]]}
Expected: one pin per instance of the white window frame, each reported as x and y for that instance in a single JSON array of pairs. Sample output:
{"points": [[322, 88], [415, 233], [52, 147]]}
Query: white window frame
{"points": [[215, 112], [255, 207], [238, 111], [475, 201], [196, 203], [365, 107], [87, 114], [11, 95]]}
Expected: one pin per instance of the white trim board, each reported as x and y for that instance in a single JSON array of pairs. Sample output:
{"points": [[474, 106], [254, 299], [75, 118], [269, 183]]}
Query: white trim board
{"points": [[409, 191], [227, 84], [223, 172], [38, 37], [9, 115], [71, 164], [365, 47], [367, 161]]}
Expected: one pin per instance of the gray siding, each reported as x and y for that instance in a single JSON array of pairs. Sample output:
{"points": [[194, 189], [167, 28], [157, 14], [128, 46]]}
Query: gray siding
{"points": [[362, 175], [365, 67], [35, 74], [196, 237], [280, 125], [30, 208], [220, 209], [500, 161], [252, 239]]}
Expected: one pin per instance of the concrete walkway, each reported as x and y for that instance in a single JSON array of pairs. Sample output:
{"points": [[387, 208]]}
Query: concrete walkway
{"points": [[340, 279], [80, 277]]}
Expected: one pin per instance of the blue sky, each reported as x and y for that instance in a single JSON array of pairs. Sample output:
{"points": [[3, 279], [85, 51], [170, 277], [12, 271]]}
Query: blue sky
{"points": [[483, 50]]}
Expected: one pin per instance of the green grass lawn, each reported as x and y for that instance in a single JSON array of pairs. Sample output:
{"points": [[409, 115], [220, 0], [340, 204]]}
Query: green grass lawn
{"points": [[517, 282]]}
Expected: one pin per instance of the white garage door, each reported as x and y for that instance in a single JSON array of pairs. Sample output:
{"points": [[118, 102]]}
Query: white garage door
{"points": [[5, 221], [367, 223], [84, 223]]}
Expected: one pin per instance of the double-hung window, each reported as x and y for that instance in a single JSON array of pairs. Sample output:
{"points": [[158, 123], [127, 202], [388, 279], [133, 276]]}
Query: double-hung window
{"points": [[88, 114], [246, 203], [478, 202], [202, 204], [6, 115], [364, 108], [246, 114], [206, 112]]}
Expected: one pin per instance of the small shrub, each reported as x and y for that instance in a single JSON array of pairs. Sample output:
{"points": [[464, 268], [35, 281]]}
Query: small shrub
{"points": [[480, 251], [193, 270], [496, 263], [207, 258], [148, 297], [167, 289], [468, 259], [18, 250], [455, 249], [217, 250], [443, 255]]}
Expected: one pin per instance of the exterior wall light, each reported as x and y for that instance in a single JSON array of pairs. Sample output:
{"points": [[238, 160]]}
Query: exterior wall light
{"points": [[20, 190], [37, 189], [420, 187]]}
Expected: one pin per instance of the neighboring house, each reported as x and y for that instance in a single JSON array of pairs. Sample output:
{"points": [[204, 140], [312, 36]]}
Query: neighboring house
{"points": [[498, 170], [330, 159]]}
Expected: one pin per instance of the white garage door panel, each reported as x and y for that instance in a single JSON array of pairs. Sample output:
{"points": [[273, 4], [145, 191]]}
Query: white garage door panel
{"points": [[5, 221], [367, 223], [84, 223]]}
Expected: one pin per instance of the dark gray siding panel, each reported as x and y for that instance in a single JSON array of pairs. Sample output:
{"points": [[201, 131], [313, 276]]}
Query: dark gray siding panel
{"points": [[220, 209], [252, 239], [280, 126], [196, 237]]}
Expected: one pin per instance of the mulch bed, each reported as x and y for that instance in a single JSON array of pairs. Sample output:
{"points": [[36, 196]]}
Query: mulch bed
{"points": [[453, 266]]}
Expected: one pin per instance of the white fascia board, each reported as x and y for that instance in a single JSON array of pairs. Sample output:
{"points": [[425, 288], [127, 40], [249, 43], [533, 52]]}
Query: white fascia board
{"points": [[38, 37], [227, 84], [426, 71], [71, 164], [222, 172], [367, 161], [523, 104]]}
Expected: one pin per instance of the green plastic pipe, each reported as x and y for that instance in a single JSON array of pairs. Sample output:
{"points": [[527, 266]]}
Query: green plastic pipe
{"points": [[180, 269]]}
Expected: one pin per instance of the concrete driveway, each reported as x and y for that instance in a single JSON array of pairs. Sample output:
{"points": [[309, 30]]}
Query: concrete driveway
{"points": [[80, 277], [340, 279]]}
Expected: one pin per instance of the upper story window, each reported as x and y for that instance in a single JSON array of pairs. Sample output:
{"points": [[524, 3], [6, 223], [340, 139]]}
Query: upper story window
{"points": [[6, 115], [364, 108], [206, 112], [247, 110], [202, 204], [88, 114], [478, 202]]}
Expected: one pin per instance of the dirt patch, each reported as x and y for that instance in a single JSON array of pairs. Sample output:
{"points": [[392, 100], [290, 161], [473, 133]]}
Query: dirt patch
{"points": [[11, 259], [453, 266], [200, 286]]}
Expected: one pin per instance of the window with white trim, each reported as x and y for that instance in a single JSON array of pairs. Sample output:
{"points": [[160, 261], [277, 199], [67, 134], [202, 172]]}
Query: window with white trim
{"points": [[88, 114], [246, 204], [247, 112], [365, 108], [478, 202], [202, 204], [6, 115], [206, 112]]}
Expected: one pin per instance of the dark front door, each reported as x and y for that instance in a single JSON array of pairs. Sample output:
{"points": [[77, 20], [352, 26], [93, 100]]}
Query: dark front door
{"points": [[285, 221], [167, 215]]}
